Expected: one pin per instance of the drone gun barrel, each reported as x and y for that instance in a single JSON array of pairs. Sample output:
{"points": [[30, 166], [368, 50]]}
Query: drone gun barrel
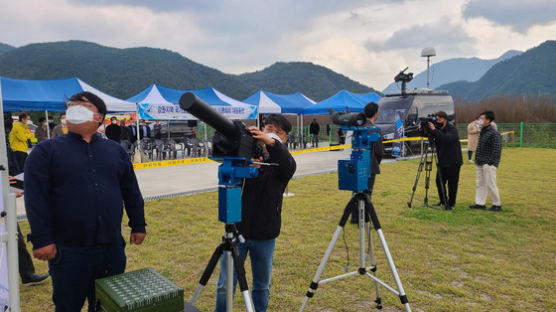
{"points": [[198, 108]]}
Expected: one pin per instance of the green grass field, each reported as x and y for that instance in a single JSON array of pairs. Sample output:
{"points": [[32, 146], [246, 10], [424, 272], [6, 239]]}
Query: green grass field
{"points": [[460, 260]]}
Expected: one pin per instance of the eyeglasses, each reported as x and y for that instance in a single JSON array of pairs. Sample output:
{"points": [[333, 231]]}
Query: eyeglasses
{"points": [[272, 128], [86, 104]]}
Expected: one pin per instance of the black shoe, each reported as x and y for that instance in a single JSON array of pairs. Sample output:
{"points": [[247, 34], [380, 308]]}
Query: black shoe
{"points": [[34, 279], [438, 204], [495, 208], [482, 207], [449, 207]]}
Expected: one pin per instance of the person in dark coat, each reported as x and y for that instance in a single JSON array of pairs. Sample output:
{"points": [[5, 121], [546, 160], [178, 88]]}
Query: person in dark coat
{"points": [[124, 134], [261, 215], [448, 149], [144, 130], [41, 132], [314, 130], [76, 188], [113, 131]]}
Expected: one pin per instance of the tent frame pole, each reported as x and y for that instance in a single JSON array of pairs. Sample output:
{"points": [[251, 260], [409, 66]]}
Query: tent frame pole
{"points": [[11, 221], [47, 124]]}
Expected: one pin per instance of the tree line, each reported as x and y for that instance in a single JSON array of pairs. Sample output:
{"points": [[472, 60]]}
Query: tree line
{"points": [[509, 108]]}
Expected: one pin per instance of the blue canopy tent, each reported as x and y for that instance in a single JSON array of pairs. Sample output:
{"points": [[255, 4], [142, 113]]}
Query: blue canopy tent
{"points": [[51, 95], [269, 103], [279, 103], [341, 102]]}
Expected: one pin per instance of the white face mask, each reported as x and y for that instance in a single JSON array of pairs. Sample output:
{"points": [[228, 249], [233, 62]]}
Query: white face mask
{"points": [[29, 122], [63, 120], [480, 122], [274, 136], [78, 114]]}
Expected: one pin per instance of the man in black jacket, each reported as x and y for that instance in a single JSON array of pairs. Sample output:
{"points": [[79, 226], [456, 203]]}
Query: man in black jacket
{"points": [[487, 158], [113, 131], [448, 149], [261, 210], [314, 130]]}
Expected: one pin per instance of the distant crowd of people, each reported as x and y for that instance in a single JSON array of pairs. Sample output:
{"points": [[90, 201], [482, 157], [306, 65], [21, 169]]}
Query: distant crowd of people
{"points": [[118, 131]]}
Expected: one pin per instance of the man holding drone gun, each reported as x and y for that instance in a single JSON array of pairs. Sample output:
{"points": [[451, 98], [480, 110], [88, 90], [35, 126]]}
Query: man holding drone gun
{"points": [[261, 210]]}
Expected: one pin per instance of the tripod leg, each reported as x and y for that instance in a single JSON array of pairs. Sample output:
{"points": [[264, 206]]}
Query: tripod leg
{"points": [[207, 273], [361, 208], [376, 224], [229, 281], [378, 300], [242, 280], [419, 170], [315, 282]]}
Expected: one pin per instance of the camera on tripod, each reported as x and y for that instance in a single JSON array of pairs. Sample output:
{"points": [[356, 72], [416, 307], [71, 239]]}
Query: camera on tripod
{"points": [[424, 123]]}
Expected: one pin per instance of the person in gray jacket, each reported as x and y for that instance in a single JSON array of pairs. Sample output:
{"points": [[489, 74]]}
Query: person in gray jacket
{"points": [[487, 159]]}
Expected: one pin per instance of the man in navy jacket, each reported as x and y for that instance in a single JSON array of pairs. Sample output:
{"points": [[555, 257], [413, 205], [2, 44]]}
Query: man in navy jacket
{"points": [[76, 186]]}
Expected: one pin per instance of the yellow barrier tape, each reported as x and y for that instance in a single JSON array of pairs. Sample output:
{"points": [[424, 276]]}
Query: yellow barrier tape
{"points": [[169, 163], [320, 149], [188, 161]]}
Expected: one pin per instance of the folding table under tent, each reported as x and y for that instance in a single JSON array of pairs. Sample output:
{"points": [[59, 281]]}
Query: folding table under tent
{"points": [[270, 103]]}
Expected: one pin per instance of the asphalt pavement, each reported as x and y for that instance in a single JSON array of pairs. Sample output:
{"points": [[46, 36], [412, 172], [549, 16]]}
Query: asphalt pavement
{"points": [[164, 182]]}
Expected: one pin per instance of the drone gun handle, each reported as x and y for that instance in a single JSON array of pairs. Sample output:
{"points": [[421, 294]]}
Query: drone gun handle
{"points": [[198, 108]]}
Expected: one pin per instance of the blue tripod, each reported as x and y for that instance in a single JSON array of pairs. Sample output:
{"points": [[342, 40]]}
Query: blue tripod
{"points": [[230, 175]]}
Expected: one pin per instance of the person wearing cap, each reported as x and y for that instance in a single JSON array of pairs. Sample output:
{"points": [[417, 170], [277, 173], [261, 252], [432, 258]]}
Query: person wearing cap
{"points": [[448, 150], [76, 188]]}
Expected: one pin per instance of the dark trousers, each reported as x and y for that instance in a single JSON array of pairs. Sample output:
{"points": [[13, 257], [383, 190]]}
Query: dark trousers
{"points": [[26, 267], [470, 155], [450, 175], [75, 269], [21, 157], [355, 204]]}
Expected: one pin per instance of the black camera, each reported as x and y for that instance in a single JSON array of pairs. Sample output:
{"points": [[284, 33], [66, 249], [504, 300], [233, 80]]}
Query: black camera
{"points": [[347, 119], [232, 139], [424, 123]]}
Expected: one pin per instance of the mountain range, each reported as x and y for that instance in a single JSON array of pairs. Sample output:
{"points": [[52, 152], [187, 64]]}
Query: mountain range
{"points": [[451, 70], [532, 72], [125, 72]]}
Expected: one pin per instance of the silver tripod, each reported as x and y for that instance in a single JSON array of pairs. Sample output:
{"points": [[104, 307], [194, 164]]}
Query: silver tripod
{"points": [[229, 246], [366, 210]]}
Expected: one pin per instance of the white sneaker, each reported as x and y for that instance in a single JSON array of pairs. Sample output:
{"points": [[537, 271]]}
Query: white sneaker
{"points": [[471, 161]]}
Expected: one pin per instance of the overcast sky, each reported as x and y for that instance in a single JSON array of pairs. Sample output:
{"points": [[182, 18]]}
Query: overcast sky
{"points": [[368, 41]]}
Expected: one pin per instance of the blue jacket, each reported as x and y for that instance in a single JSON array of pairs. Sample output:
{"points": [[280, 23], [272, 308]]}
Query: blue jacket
{"points": [[75, 192]]}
